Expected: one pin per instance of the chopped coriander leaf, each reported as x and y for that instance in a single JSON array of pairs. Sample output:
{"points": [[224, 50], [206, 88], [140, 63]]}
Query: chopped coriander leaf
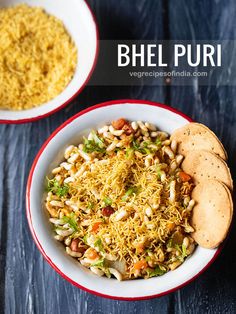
{"points": [[129, 152], [95, 145], [156, 272], [107, 200], [142, 148], [99, 262], [146, 151], [147, 258], [74, 235], [85, 239], [99, 245], [159, 172], [129, 192], [71, 221], [107, 272], [170, 243], [56, 227], [98, 140], [177, 247], [182, 250], [136, 145], [146, 143], [117, 149], [54, 187], [90, 205], [158, 142]]}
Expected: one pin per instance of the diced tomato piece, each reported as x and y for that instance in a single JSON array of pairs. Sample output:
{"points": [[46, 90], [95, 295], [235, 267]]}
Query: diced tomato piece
{"points": [[140, 265], [96, 226], [140, 247], [184, 176], [171, 226]]}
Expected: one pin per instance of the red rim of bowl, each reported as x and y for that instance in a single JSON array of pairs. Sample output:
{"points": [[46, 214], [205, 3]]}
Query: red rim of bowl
{"points": [[28, 210], [25, 120]]}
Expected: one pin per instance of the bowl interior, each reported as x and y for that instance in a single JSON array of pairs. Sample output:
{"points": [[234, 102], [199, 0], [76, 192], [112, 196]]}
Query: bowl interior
{"points": [[72, 133], [80, 24]]}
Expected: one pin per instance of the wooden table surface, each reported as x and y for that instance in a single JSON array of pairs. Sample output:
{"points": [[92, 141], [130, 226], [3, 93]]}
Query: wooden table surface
{"points": [[28, 284]]}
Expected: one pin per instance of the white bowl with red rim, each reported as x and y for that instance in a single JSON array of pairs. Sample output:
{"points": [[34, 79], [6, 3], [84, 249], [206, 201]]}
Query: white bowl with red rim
{"points": [[81, 25], [51, 153]]}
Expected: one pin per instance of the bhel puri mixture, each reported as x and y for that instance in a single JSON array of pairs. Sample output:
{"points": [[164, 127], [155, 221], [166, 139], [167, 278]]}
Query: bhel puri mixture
{"points": [[121, 203], [124, 204], [37, 57]]}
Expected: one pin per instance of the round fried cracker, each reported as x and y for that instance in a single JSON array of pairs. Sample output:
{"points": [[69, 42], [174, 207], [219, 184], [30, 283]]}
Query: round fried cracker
{"points": [[212, 213], [196, 136], [203, 165]]}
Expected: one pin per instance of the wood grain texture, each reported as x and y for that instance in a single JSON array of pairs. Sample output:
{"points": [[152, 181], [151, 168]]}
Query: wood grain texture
{"points": [[215, 290], [28, 284]]}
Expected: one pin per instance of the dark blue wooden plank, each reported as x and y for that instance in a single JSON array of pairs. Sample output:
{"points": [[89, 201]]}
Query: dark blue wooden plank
{"points": [[213, 105]]}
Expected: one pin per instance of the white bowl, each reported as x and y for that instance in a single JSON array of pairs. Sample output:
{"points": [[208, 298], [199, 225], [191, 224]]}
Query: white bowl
{"points": [[71, 132], [79, 21]]}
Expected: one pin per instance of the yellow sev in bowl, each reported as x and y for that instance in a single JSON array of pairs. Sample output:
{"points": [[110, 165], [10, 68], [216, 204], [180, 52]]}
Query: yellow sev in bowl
{"points": [[37, 57]]}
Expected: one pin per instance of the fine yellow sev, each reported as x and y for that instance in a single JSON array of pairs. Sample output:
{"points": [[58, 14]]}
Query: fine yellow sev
{"points": [[114, 178], [37, 57]]}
